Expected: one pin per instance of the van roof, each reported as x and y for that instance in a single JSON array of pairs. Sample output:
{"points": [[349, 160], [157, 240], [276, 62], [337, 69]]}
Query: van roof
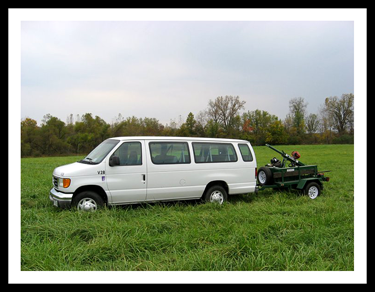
{"points": [[160, 138]]}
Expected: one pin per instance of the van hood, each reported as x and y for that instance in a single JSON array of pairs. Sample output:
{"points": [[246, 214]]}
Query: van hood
{"points": [[77, 169]]}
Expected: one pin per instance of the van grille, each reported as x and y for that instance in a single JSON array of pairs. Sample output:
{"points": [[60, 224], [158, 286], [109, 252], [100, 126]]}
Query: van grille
{"points": [[55, 181]]}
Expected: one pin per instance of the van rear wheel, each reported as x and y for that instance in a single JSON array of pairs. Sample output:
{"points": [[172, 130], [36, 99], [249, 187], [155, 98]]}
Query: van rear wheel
{"points": [[216, 194]]}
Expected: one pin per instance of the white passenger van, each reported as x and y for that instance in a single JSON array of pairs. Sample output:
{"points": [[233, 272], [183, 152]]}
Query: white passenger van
{"points": [[127, 170]]}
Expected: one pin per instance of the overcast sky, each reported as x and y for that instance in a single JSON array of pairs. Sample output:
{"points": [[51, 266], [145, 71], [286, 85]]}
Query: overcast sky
{"points": [[164, 69]]}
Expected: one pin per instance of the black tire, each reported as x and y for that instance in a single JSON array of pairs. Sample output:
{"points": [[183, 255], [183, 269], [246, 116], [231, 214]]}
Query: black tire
{"points": [[216, 194], [265, 176], [312, 189], [87, 201]]}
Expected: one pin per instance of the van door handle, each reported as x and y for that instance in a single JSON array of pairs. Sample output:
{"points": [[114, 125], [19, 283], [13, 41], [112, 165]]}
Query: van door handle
{"points": [[143, 177]]}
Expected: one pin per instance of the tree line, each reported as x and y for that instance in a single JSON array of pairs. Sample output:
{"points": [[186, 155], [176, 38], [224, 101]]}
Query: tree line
{"points": [[221, 119]]}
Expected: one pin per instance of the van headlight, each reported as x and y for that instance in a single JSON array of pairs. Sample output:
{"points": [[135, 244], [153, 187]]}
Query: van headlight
{"points": [[64, 182]]}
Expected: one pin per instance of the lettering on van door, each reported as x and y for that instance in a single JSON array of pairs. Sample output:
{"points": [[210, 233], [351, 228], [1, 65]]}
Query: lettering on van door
{"points": [[101, 171]]}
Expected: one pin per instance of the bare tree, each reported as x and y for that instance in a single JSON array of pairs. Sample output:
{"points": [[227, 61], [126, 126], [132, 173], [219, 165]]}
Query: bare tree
{"points": [[225, 111], [202, 118], [297, 109], [341, 112], [312, 123]]}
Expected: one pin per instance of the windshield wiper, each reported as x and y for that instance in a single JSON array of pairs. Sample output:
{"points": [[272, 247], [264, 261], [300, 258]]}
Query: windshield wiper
{"points": [[88, 161]]}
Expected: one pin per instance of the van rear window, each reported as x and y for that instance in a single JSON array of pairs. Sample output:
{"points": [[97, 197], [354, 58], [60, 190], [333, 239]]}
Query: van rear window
{"points": [[245, 152], [214, 152]]}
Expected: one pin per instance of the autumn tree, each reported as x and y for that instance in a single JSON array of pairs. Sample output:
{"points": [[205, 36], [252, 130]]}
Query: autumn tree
{"points": [[52, 134], [188, 128], [150, 127], [30, 138], [256, 124], [276, 134], [87, 132]]}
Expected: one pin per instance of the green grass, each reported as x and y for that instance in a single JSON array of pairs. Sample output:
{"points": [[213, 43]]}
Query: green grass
{"points": [[268, 231]]}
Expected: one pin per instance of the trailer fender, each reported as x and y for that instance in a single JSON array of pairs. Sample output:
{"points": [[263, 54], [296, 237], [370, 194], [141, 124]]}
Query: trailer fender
{"points": [[302, 182]]}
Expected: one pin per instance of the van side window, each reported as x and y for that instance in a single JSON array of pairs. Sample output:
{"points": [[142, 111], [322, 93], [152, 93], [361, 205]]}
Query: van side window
{"points": [[214, 152], [169, 152], [245, 152], [129, 153]]}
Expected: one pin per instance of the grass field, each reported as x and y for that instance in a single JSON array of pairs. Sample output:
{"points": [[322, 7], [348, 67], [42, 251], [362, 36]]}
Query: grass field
{"points": [[268, 231]]}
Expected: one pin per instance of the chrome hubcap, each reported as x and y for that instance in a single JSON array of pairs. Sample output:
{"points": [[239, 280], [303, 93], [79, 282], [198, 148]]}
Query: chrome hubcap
{"points": [[216, 197], [87, 204]]}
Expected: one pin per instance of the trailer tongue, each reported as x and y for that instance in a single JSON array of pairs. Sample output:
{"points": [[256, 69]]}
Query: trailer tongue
{"points": [[291, 173]]}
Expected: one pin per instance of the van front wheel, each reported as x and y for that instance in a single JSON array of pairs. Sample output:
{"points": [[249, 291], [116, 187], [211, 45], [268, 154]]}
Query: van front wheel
{"points": [[216, 194], [87, 201]]}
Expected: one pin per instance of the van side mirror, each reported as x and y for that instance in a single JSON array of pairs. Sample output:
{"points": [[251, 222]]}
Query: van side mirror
{"points": [[114, 160]]}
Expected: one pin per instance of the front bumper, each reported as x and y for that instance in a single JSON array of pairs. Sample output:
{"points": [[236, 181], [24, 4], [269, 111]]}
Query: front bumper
{"points": [[59, 199]]}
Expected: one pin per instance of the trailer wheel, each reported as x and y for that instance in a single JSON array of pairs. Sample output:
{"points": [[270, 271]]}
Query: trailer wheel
{"points": [[265, 176], [313, 190]]}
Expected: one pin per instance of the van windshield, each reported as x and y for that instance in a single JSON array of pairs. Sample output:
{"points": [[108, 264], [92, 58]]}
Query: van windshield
{"points": [[97, 155]]}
